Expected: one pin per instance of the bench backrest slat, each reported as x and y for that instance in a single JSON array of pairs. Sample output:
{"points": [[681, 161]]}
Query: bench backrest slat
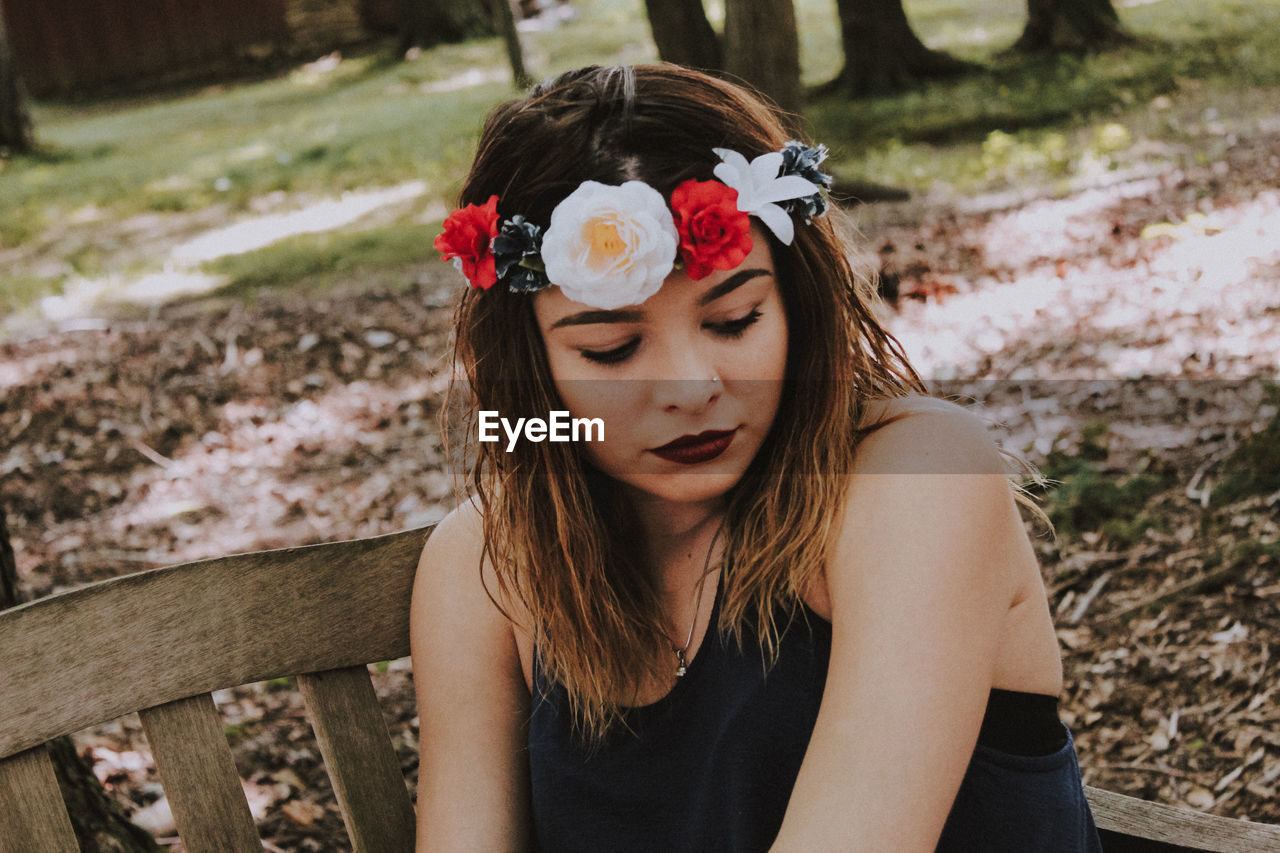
{"points": [[199, 776], [94, 654], [367, 779], [1183, 827], [32, 814]]}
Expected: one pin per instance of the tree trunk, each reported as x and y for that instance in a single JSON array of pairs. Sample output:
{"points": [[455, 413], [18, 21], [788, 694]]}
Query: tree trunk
{"points": [[762, 48], [15, 121], [515, 51], [10, 596], [882, 53], [1071, 26], [683, 34], [100, 824], [424, 23]]}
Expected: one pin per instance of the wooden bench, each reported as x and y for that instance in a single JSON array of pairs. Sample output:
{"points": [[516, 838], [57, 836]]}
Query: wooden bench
{"points": [[160, 642]]}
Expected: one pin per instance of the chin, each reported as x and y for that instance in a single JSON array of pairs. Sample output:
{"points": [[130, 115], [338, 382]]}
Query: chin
{"points": [[684, 487]]}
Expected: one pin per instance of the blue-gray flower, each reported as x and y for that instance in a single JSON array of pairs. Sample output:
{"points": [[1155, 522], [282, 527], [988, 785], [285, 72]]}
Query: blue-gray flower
{"points": [[517, 256], [803, 160]]}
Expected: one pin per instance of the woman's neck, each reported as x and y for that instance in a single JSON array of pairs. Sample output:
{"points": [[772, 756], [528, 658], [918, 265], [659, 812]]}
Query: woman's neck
{"points": [[669, 520], [677, 539]]}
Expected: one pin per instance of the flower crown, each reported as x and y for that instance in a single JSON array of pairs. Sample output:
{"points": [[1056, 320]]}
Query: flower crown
{"points": [[610, 246]]}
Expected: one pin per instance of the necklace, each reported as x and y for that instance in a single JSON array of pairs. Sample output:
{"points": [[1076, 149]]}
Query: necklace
{"points": [[682, 664]]}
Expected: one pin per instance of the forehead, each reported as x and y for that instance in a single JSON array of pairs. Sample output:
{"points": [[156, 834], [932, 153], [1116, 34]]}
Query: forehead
{"points": [[678, 291]]}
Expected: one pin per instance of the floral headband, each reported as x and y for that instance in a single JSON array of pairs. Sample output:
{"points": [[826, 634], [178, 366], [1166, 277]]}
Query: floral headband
{"points": [[610, 246]]}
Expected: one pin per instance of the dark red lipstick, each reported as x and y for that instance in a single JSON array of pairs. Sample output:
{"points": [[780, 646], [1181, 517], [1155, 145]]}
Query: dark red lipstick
{"points": [[694, 449]]}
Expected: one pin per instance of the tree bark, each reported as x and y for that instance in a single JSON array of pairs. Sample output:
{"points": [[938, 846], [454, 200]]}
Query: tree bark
{"points": [[100, 824], [10, 596], [683, 34], [15, 121], [762, 48], [515, 51], [1071, 26], [424, 23], [882, 53]]}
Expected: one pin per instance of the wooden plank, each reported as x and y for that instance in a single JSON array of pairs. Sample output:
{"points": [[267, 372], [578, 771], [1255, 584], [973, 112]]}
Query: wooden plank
{"points": [[200, 777], [76, 659], [1160, 822], [32, 813], [362, 764]]}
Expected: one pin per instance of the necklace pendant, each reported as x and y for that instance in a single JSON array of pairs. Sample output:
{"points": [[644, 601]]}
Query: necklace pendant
{"points": [[681, 668]]}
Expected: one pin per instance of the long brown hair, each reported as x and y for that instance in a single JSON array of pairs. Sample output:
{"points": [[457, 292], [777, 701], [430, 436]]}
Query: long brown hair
{"points": [[561, 542]]}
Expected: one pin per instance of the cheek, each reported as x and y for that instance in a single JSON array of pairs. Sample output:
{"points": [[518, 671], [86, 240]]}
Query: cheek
{"points": [[617, 403], [767, 367], [766, 359], [779, 354], [587, 391], [614, 400]]}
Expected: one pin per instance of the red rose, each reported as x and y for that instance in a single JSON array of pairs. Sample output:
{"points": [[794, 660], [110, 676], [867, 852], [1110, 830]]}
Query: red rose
{"points": [[467, 235], [714, 234]]}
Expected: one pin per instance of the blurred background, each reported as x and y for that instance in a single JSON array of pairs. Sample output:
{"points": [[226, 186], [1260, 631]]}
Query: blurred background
{"points": [[222, 326]]}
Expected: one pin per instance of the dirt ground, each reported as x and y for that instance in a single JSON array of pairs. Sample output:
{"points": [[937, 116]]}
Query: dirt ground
{"points": [[1124, 334]]}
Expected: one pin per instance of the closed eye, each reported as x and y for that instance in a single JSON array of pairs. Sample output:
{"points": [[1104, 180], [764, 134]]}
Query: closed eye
{"points": [[617, 355], [735, 328]]}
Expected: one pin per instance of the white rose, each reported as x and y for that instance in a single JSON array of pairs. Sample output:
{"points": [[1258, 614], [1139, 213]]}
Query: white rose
{"points": [[610, 246]]}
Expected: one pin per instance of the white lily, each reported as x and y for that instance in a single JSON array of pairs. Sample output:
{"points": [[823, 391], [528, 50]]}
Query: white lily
{"points": [[760, 188]]}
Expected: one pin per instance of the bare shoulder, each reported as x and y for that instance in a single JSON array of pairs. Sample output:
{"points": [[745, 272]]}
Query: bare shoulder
{"points": [[451, 585], [454, 570], [929, 488], [456, 587], [457, 540], [927, 459], [925, 435]]}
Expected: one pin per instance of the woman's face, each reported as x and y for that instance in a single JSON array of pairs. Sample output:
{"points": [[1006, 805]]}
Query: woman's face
{"points": [[687, 383]]}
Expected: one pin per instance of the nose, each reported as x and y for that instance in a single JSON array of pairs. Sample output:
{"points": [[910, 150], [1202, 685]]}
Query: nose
{"points": [[688, 395], [689, 381]]}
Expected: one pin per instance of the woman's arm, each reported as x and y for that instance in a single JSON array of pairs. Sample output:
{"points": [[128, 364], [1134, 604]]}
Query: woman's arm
{"points": [[473, 704], [922, 572]]}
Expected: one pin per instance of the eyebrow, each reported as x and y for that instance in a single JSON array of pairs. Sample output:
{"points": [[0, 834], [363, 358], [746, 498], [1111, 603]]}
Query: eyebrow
{"points": [[730, 284], [584, 318]]}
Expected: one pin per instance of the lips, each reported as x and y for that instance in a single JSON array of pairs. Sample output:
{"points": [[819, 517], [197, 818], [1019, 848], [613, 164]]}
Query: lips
{"points": [[695, 449]]}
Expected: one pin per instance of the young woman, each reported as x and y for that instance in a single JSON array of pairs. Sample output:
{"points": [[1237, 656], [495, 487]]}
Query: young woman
{"points": [[784, 602]]}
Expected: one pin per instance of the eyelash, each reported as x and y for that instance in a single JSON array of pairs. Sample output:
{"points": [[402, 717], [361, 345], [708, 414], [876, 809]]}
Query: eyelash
{"points": [[617, 355], [734, 329], [729, 329]]}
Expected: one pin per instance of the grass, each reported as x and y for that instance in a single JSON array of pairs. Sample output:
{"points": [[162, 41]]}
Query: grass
{"points": [[1253, 468], [376, 122], [318, 261], [368, 122], [358, 128], [1192, 56], [17, 292], [1086, 496]]}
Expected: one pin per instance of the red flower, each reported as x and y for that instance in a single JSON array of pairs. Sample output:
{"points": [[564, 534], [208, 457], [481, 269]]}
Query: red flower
{"points": [[714, 234], [467, 235]]}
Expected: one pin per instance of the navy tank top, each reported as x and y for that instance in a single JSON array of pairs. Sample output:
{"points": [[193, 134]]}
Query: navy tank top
{"points": [[711, 765]]}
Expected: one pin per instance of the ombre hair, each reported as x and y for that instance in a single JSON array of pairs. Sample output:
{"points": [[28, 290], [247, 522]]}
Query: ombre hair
{"points": [[561, 542]]}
